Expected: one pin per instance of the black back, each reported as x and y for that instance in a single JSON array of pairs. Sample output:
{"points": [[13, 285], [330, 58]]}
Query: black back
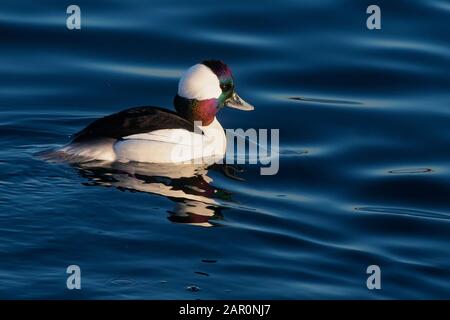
{"points": [[133, 121]]}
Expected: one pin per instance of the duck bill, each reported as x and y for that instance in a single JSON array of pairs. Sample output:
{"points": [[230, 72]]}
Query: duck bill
{"points": [[237, 102]]}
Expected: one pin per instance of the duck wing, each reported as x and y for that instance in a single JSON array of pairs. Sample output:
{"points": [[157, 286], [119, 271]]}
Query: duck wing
{"points": [[134, 121]]}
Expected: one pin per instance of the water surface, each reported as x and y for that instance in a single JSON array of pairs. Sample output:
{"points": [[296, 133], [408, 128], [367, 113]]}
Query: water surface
{"points": [[364, 174]]}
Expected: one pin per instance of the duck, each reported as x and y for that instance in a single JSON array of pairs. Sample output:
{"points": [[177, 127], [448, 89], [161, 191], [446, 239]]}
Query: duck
{"points": [[151, 134]]}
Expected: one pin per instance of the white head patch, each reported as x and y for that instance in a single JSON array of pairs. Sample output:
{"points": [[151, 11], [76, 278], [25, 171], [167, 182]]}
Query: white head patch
{"points": [[199, 83]]}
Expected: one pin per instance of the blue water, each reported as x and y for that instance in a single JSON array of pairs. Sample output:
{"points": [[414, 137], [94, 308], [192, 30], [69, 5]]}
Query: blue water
{"points": [[364, 173]]}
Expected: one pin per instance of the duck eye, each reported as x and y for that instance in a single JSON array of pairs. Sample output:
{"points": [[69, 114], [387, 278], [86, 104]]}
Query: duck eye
{"points": [[225, 86]]}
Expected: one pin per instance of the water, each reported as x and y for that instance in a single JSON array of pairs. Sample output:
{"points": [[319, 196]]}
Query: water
{"points": [[364, 132]]}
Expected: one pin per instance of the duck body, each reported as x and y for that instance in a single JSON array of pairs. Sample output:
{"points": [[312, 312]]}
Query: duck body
{"points": [[148, 134], [157, 135]]}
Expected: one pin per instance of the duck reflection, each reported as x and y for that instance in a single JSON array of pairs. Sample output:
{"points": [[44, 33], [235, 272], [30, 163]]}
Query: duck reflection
{"points": [[196, 200]]}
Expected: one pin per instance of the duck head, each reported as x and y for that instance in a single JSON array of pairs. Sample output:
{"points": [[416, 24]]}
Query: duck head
{"points": [[204, 89]]}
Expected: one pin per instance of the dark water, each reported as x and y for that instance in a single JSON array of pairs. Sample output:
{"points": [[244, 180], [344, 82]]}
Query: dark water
{"points": [[364, 174]]}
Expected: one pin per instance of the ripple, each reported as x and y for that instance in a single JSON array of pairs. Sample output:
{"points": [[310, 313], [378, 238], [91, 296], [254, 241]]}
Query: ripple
{"points": [[436, 170], [441, 5], [35, 20], [326, 101], [287, 152], [292, 151], [237, 39], [408, 45], [122, 282], [136, 70], [404, 212], [209, 261], [193, 288], [411, 171], [58, 20]]}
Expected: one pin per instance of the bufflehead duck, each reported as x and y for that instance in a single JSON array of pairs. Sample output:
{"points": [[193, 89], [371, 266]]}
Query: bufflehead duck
{"points": [[157, 135]]}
